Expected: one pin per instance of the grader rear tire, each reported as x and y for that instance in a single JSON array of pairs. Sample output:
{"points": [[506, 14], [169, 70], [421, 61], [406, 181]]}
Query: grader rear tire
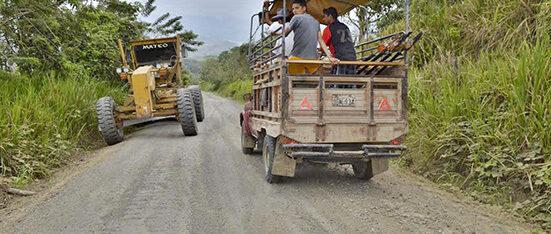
{"points": [[198, 102], [107, 125], [186, 112], [363, 170]]}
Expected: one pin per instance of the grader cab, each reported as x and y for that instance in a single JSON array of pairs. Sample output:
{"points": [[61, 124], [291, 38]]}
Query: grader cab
{"points": [[156, 90]]}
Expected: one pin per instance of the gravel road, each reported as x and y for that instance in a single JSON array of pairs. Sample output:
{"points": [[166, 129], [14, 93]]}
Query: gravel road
{"points": [[159, 181]]}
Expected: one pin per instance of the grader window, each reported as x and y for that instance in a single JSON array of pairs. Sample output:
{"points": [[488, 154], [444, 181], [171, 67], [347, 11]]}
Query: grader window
{"points": [[155, 53]]}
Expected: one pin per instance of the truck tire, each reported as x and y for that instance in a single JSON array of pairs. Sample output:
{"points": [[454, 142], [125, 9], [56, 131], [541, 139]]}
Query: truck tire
{"points": [[363, 170], [107, 125], [198, 102], [268, 154], [246, 150], [186, 112]]}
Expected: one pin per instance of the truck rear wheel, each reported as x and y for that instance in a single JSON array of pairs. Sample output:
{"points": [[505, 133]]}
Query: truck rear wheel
{"points": [[107, 125], [268, 154], [198, 102], [363, 170], [186, 112]]}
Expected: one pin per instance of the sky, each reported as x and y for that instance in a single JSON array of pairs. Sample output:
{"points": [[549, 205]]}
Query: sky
{"points": [[221, 24], [226, 20]]}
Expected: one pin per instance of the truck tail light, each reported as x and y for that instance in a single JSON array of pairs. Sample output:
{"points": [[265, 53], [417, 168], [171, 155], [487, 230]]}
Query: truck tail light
{"points": [[398, 141], [287, 141]]}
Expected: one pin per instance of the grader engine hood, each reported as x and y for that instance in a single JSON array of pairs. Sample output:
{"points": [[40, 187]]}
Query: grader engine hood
{"points": [[143, 83]]}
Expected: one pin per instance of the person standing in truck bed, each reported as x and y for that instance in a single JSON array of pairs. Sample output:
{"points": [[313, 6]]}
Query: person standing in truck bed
{"points": [[307, 36], [276, 29], [339, 39]]}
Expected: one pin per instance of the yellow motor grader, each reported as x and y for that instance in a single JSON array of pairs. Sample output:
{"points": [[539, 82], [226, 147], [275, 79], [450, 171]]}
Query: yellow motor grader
{"points": [[156, 90]]}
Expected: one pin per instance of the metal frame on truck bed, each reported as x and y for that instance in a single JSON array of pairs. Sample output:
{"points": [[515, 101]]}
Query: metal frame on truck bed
{"points": [[296, 115]]}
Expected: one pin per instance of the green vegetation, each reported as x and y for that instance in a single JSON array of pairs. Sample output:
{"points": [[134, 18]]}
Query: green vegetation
{"points": [[375, 15], [56, 59], [228, 74], [480, 99], [45, 119]]}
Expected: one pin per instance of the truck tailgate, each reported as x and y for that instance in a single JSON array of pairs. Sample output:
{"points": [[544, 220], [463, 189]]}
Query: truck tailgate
{"points": [[351, 109]]}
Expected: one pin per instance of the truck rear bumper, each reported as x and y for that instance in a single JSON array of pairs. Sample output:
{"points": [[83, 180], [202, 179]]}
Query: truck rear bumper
{"points": [[326, 152]]}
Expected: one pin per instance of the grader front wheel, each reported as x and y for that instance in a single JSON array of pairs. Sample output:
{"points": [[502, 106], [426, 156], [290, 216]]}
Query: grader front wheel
{"points": [[186, 112], [111, 133]]}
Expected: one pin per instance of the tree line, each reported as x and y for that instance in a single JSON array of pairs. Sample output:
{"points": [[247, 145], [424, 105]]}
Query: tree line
{"points": [[78, 35]]}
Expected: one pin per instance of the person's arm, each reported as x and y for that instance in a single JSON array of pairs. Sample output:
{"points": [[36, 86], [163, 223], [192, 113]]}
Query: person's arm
{"points": [[326, 50], [326, 36], [266, 12], [287, 31], [291, 26], [266, 5], [267, 18]]}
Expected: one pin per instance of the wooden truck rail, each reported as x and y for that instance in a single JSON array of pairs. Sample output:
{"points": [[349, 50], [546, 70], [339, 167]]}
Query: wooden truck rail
{"points": [[268, 84]]}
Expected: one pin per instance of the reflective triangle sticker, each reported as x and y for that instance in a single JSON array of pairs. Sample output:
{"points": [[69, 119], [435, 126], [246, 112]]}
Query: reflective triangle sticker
{"points": [[305, 105], [384, 105]]}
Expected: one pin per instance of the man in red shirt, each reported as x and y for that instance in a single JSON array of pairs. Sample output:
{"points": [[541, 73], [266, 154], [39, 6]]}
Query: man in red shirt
{"points": [[339, 39], [326, 35]]}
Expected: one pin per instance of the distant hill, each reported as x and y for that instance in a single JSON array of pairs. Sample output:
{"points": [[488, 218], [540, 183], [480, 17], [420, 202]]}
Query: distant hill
{"points": [[192, 65], [212, 47]]}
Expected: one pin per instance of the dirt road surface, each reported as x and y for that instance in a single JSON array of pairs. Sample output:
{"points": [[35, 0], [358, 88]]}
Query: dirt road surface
{"points": [[159, 181]]}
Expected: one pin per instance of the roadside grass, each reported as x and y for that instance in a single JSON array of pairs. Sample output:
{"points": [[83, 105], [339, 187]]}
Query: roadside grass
{"points": [[228, 74], [484, 126], [466, 28], [45, 118], [480, 101], [235, 90]]}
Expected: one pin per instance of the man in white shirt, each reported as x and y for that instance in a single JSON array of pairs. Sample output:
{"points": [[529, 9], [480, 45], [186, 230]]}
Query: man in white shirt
{"points": [[276, 28]]}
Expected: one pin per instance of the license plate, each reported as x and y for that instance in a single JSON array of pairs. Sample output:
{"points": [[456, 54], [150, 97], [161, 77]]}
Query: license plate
{"points": [[344, 100]]}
